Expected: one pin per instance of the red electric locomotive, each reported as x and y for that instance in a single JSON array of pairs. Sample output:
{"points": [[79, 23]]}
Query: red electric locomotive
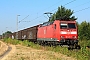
{"points": [[58, 32]]}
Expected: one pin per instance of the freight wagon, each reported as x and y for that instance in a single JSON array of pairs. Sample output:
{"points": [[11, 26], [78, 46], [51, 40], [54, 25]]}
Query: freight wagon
{"points": [[28, 34], [0, 36]]}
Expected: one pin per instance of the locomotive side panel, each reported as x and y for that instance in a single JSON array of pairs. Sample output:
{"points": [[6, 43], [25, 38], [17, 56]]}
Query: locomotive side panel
{"points": [[40, 32], [46, 32], [49, 32]]}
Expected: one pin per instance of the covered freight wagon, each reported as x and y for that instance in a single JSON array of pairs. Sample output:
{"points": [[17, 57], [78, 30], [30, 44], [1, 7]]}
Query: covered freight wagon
{"points": [[24, 34], [0, 36], [13, 35], [20, 34], [32, 33], [28, 34]]}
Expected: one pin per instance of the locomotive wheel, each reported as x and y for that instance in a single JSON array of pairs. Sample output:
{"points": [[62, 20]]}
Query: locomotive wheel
{"points": [[70, 47], [78, 47], [50, 44], [39, 42]]}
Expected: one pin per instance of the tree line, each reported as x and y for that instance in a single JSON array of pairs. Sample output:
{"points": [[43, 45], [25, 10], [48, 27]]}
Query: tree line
{"points": [[84, 30]]}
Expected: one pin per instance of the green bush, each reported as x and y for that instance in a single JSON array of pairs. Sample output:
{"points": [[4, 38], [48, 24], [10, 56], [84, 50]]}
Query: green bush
{"points": [[25, 42], [11, 41]]}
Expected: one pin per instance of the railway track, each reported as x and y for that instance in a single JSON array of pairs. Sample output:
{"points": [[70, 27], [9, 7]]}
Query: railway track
{"points": [[6, 52]]}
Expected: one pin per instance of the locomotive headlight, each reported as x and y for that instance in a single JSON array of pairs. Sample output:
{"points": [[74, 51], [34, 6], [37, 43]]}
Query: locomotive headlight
{"points": [[74, 37], [62, 37]]}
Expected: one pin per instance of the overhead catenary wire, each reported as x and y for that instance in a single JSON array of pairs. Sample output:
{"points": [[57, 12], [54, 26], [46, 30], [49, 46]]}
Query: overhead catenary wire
{"points": [[47, 8], [33, 19], [81, 4], [77, 6], [53, 10], [65, 5], [69, 2], [52, 5], [82, 9], [23, 19], [26, 21]]}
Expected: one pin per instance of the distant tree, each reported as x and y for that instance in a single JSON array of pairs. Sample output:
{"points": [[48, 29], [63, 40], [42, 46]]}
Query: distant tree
{"points": [[88, 30], [63, 14], [6, 34], [84, 30]]}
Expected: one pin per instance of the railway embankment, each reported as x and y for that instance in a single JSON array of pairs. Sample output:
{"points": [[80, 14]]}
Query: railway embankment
{"points": [[3, 48], [26, 50], [22, 52]]}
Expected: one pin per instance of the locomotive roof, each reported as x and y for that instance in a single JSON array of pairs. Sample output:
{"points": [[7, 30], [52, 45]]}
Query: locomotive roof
{"points": [[51, 22], [47, 23]]}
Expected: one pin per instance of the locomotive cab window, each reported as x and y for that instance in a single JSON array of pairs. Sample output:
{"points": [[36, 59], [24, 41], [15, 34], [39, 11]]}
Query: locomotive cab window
{"points": [[67, 25], [71, 25], [63, 25], [54, 26]]}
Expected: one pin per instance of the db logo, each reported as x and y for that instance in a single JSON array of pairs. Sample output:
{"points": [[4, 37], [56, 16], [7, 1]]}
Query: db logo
{"points": [[68, 32]]}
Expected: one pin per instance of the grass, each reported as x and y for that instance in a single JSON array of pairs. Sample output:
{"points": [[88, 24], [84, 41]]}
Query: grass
{"points": [[0, 43], [82, 54]]}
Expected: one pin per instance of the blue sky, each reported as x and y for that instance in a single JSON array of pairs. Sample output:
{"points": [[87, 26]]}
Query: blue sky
{"points": [[34, 11]]}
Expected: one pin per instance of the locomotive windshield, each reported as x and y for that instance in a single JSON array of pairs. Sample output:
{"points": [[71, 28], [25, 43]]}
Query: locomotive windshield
{"points": [[67, 25], [71, 25], [63, 25]]}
